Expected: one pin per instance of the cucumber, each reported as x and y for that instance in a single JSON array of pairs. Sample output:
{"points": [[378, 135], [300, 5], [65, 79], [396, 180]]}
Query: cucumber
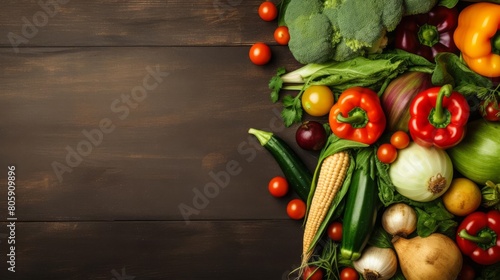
{"points": [[360, 213], [299, 177]]}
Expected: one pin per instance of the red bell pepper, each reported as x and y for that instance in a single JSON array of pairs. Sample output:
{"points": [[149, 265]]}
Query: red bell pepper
{"points": [[358, 116], [478, 237], [438, 117], [428, 34]]}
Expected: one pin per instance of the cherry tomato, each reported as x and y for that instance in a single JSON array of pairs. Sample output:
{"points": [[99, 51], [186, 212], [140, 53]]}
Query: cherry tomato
{"points": [[490, 111], [281, 35], [312, 273], [317, 100], [335, 231], [268, 11], [260, 54], [349, 273], [278, 186], [296, 209], [387, 153], [467, 272], [400, 139]]}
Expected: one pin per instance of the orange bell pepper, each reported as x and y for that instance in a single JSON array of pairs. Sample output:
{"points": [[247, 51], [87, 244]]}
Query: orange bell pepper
{"points": [[478, 38]]}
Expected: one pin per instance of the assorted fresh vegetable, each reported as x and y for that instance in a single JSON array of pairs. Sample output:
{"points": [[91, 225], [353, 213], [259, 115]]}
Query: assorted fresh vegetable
{"points": [[296, 172], [377, 263], [478, 237], [433, 257], [358, 116], [428, 34], [400, 99], [361, 207], [438, 117], [478, 38], [421, 173], [311, 135], [260, 53], [397, 97]]}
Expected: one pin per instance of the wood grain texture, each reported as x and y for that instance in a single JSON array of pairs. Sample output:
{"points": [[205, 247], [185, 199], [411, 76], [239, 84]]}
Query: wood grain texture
{"points": [[163, 148], [143, 108], [133, 23], [155, 250]]}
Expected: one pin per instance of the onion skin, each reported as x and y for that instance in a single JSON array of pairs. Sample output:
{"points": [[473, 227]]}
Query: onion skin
{"points": [[477, 155], [421, 173], [434, 257], [397, 97]]}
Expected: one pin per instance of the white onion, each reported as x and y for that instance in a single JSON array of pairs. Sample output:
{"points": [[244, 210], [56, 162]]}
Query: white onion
{"points": [[377, 263], [420, 173], [399, 220]]}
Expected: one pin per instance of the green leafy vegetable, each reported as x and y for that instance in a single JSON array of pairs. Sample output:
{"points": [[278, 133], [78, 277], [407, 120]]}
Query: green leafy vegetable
{"points": [[432, 216], [373, 72], [450, 69]]}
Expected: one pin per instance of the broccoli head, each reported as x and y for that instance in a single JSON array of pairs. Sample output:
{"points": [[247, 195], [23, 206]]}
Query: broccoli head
{"points": [[324, 30]]}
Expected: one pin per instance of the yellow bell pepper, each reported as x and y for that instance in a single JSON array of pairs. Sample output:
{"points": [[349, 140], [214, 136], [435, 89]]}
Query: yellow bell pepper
{"points": [[478, 38]]}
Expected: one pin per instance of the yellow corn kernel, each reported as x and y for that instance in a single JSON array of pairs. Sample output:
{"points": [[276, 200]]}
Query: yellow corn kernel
{"points": [[331, 177]]}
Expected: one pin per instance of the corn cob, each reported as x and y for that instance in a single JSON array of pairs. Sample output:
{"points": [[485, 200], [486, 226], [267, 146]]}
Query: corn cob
{"points": [[331, 177]]}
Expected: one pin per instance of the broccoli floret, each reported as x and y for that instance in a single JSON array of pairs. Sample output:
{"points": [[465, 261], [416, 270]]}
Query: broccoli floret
{"points": [[316, 31], [363, 22], [413, 7], [311, 32], [322, 30]]}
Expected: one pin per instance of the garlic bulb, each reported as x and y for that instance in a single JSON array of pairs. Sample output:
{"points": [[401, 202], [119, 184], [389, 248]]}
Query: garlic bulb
{"points": [[377, 263], [399, 220]]}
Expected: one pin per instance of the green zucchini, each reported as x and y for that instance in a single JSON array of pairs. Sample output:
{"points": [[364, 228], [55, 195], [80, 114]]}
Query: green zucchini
{"points": [[360, 212], [299, 177]]}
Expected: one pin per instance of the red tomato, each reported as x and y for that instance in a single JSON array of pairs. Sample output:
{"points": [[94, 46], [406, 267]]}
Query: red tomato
{"points": [[400, 139], [490, 111], [260, 54], [387, 153], [335, 231], [268, 11], [296, 209], [278, 186], [467, 272], [312, 273], [349, 273], [281, 35]]}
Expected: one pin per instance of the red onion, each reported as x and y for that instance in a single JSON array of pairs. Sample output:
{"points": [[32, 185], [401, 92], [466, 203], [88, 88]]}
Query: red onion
{"points": [[397, 97]]}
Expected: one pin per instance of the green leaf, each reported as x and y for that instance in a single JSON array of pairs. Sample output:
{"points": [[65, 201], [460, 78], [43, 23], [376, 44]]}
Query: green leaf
{"points": [[276, 83], [490, 272], [292, 110], [282, 5], [448, 3], [380, 238], [450, 69], [433, 217]]}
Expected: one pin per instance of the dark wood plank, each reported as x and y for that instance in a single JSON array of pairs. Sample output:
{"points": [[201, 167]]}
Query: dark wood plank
{"points": [[187, 134], [132, 23], [154, 250]]}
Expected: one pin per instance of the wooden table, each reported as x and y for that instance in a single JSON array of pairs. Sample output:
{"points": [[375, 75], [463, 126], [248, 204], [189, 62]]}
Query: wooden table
{"points": [[126, 122]]}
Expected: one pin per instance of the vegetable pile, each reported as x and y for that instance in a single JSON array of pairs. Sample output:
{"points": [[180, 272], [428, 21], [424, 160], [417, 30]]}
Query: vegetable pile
{"points": [[398, 100]]}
